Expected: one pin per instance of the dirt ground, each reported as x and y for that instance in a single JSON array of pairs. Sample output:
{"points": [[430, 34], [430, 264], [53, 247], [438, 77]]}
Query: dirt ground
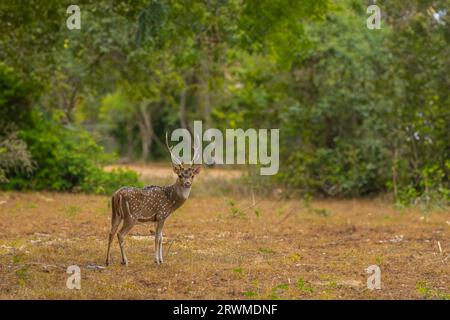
{"points": [[224, 248]]}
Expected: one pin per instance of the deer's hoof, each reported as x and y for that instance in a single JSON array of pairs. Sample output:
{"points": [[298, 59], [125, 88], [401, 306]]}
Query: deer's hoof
{"points": [[125, 263], [158, 262]]}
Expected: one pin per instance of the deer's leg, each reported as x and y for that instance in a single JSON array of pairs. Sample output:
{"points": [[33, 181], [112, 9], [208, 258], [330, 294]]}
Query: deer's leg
{"points": [[160, 247], [115, 222], [126, 227], [158, 242]]}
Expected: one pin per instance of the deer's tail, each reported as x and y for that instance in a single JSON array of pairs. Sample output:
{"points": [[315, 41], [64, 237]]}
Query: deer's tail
{"points": [[115, 222], [116, 209]]}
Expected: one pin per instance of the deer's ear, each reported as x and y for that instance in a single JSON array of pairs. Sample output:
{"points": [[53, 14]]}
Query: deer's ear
{"points": [[196, 169]]}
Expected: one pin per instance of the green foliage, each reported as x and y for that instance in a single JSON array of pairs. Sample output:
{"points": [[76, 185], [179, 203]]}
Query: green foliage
{"points": [[14, 156], [151, 21], [430, 194], [107, 182], [68, 159], [278, 290], [14, 97], [430, 293], [14, 111], [250, 294], [235, 211], [303, 286], [337, 121], [277, 27], [238, 270], [361, 111]]}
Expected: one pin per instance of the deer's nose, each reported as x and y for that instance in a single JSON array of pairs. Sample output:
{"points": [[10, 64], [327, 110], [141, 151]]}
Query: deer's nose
{"points": [[187, 184]]}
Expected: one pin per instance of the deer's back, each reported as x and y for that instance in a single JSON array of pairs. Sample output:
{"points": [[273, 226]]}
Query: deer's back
{"points": [[144, 204]]}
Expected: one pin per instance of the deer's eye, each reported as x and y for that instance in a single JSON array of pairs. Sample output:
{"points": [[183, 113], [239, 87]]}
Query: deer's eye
{"points": [[179, 176]]}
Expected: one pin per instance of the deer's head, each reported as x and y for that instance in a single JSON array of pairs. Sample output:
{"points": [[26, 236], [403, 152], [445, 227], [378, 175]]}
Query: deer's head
{"points": [[186, 173]]}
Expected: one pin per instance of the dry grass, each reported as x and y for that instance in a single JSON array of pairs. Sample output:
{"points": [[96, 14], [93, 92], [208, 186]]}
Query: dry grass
{"points": [[162, 171], [215, 248]]}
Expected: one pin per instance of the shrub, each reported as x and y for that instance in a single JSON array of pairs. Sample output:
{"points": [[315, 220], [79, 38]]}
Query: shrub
{"points": [[344, 171], [432, 191], [15, 97], [67, 159], [101, 182], [14, 156]]}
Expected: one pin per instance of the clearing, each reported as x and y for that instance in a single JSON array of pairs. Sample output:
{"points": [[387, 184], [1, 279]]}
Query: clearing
{"points": [[224, 247]]}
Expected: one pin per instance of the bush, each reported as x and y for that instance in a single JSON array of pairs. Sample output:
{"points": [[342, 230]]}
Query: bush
{"points": [[430, 193], [101, 182], [14, 156], [67, 159], [343, 171], [15, 97]]}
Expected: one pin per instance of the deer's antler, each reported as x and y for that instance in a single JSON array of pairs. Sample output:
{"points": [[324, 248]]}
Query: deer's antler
{"points": [[175, 159], [196, 149]]}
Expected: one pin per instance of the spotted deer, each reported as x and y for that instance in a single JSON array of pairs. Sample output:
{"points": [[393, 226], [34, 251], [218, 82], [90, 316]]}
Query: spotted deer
{"points": [[151, 204]]}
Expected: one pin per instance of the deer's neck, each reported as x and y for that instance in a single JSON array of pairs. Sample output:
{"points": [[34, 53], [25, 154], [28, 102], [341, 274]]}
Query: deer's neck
{"points": [[180, 193]]}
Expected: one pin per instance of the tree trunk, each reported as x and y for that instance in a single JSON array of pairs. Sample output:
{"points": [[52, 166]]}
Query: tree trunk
{"points": [[206, 94], [146, 130], [395, 174], [182, 111], [207, 109], [130, 145]]}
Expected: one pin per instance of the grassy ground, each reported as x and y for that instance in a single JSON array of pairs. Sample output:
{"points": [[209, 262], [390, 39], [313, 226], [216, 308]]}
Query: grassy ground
{"points": [[218, 247]]}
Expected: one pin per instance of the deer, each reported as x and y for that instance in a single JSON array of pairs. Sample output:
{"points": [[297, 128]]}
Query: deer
{"points": [[151, 204]]}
